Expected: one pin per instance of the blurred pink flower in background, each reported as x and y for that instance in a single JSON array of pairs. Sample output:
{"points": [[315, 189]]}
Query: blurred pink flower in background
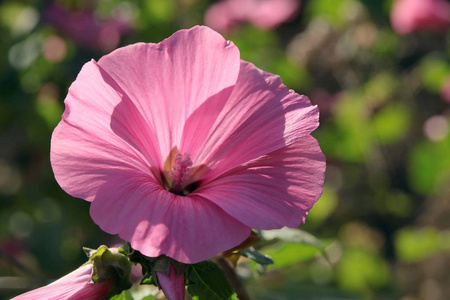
{"points": [[266, 14], [445, 90], [75, 285], [183, 148], [420, 15], [86, 29], [325, 101]]}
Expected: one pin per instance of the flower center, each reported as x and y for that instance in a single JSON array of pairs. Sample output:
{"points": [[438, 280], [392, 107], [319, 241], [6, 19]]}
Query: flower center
{"points": [[181, 172], [178, 176]]}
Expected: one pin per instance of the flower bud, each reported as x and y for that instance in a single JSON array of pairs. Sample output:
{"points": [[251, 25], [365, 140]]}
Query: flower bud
{"points": [[104, 275]]}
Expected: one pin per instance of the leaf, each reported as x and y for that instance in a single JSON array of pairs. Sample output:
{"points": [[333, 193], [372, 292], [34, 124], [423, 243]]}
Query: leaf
{"points": [[409, 250], [287, 254], [323, 208], [149, 279], [125, 295], [434, 71], [391, 123], [257, 257], [359, 269], [208, 282], [293, 235]]}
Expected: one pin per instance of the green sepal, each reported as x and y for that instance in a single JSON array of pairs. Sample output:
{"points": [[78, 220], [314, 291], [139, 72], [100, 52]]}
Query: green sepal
{"points": [[152, 265], [88, 251], [149, 279], [123, 251], [108, 266], [179, 267], [161, 264]]}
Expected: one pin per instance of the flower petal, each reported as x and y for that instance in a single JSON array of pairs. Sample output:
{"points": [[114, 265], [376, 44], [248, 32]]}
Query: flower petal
{"points": [[260, 116], [74, 285], [188, 229], [170, 80], [172, 284], [85, 150], [272, 191]]}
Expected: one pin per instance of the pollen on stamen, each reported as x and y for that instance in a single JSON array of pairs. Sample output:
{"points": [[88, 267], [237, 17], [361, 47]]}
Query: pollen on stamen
{"points": [[181, 172]]}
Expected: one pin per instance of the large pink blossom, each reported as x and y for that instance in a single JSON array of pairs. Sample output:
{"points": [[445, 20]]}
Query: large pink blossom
{"points": [[266, 14], [182, 148], [75, 285], [415, 15]]}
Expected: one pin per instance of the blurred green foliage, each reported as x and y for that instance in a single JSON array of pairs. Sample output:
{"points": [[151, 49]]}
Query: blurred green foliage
{"points": [[383, 217]]}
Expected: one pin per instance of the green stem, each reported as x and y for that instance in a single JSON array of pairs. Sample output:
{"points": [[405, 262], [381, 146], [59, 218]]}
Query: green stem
{"points": [[233, 278]]}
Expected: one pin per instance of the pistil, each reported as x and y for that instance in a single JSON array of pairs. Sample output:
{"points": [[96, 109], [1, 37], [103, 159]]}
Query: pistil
{"points": [[180, 173]]}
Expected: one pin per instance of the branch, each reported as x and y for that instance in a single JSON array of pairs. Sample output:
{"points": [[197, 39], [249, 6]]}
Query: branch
{"points": [[233, 278]]}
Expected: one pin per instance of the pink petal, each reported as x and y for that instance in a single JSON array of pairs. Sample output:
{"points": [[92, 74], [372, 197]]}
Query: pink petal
{"points": [[101, 137], [82, 274], [220, 17], [273, 191], [75, 285], [267, 14], [172, 284], [272, 13], [415, 15], [188, 229], [170, 80], [260, 116]]}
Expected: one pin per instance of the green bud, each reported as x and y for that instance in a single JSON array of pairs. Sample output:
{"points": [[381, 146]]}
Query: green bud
{"points": [[110, 265]]}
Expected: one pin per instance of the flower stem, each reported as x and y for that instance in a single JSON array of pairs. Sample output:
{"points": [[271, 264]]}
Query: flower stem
{"points": [[233, 278]]}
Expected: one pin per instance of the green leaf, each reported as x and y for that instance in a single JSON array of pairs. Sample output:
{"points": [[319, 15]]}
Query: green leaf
{"points": [[125, 295], [434, 71], [208, 282], [292, 235], [148, 280], [330, 10], [414, 245], [286, 254], [257, 257], [359, 269], [392, 123], [323, 208]]}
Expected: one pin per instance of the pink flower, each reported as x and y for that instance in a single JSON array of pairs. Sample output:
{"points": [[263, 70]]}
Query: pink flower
{"points": [[413, 15], [172, 284], [182, 148], [111, 273], [445, 89], [75, 285], [87, 30], [265, 14]]}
